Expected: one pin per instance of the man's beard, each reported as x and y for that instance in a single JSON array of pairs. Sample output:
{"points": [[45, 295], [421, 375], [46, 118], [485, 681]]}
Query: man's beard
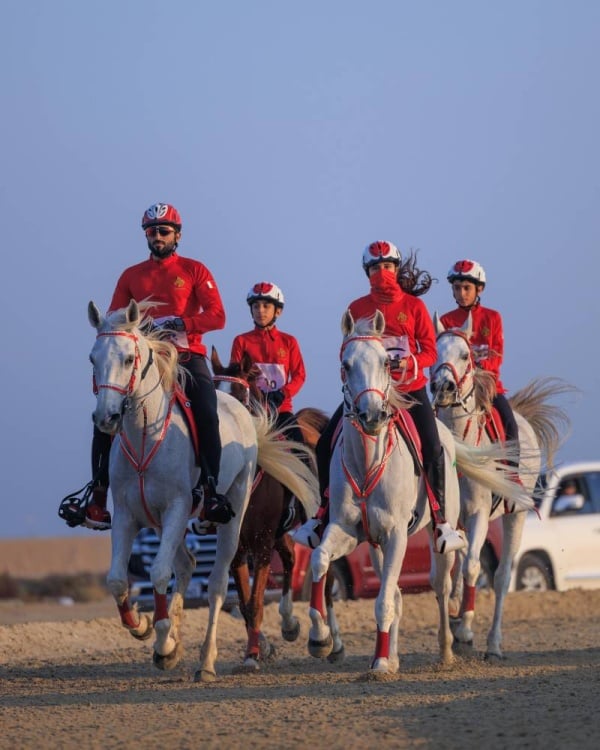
{"points": [[164, 252]]}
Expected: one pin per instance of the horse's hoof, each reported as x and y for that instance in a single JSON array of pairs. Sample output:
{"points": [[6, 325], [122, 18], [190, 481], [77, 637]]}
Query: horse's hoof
{"points": [[291, 634], [170, 661], [320, 649], [141, 634], [205, 675], [337, 657], [492, 657]]}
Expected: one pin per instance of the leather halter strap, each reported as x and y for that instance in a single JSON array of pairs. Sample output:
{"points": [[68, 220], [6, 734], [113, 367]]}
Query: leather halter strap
{"points": [[458, 380], [237, 381]]}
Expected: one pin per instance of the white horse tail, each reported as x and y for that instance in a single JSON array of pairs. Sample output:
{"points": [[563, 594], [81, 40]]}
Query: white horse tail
{"points": [[487, 465], [549, 422], [281, 458]]}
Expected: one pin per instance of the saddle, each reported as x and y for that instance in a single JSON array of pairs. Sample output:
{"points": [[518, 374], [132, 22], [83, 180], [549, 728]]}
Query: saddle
{"points": [[186, 408]]}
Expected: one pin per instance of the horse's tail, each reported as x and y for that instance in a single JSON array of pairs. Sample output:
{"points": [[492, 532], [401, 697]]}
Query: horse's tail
{"points": [[489, 467], [287, 461], [549, 422]]}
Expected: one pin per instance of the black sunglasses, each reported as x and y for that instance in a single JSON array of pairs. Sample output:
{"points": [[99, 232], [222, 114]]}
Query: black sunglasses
{"points": [[163, 231]]}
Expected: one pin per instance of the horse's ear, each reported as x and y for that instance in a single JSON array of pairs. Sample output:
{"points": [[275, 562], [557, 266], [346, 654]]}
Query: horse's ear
{"points": [[94, 315], [215, 361], [347, 323], [379, 323], [437, 324], [246, 364], [467, 326], [132, 314]]}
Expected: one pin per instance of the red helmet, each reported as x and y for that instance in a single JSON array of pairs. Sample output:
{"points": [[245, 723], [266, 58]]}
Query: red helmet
{"points": [[267, 291], [161, 213], [378, 252], [467, 270]]}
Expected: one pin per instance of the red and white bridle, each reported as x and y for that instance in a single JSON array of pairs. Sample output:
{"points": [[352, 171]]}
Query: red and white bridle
{"points": [[458, 380], [352, 399], [237, 381], [128, 390]]}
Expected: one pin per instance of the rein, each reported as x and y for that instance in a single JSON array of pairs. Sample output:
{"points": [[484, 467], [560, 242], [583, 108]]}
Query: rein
{"points": [[237, 381]]}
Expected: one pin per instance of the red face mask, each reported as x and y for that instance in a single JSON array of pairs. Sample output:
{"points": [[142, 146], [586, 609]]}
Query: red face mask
{"points": [[384, 286]]}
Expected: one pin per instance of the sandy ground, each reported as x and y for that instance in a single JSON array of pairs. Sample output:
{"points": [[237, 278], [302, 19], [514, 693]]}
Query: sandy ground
{"points": [[71, 677]]}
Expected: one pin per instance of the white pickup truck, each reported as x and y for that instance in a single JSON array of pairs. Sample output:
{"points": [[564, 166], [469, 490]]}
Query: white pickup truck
{"points": [[561, 549]]}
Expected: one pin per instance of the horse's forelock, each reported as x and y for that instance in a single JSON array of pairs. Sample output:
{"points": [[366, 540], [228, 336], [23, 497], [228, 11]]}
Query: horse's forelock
{"points": [[365, 327]]}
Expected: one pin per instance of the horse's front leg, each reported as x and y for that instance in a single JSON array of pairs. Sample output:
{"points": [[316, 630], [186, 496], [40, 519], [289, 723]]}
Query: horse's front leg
{"points": [[290, 625], [124, 531], [168, 649], [388, 605], [513, 531], [337, 541]]}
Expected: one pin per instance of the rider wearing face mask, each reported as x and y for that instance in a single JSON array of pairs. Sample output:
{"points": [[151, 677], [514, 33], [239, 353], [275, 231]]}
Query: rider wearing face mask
{"points": [[189, 306], [409, 337], [276, 354], [468, 280]]}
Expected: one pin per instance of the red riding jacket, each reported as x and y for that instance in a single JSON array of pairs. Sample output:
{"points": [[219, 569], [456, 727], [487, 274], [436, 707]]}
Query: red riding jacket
{"points": [[279, 359]]}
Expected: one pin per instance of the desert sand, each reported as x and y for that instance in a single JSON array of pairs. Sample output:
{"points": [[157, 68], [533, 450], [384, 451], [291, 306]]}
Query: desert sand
{"points": [[71, 677]]}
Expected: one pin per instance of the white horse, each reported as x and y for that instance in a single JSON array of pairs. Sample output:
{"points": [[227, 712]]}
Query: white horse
{"points": [[152, 472], [462, 397]]}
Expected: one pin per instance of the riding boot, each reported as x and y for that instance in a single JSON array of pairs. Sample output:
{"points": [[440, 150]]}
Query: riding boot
{"points": [[97, 516], [216, 508], [447, 539]]}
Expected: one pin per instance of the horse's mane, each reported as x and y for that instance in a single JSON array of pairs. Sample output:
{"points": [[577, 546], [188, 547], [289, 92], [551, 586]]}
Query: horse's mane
{"points": [[484, 383], [165, 353]]}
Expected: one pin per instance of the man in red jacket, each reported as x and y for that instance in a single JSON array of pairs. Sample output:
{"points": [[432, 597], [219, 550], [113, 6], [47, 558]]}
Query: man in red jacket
{"points": [[409, 337], [275, 353], [189, 305], [467, 278]]}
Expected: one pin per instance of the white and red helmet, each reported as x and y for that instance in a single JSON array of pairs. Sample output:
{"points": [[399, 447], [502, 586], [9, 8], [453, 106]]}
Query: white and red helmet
{"points": [[467, 270], [380, 252], [267, 291], [161, 213]]}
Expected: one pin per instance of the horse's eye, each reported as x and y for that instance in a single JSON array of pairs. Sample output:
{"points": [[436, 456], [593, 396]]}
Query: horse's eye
{"points": [[464, 355], [129, 360]]}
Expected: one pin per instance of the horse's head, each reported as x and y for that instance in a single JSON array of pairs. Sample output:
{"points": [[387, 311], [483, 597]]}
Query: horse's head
{"points": [[121, 358], [365, 371], [452, 376], [238, 378]]}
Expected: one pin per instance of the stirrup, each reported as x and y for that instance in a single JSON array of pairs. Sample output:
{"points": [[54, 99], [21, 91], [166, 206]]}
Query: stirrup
{"points": [[447, 539], [72, 507]]}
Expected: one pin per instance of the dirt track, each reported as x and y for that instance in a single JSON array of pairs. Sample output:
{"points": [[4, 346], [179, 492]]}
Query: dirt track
{"points": [[85, 683]]}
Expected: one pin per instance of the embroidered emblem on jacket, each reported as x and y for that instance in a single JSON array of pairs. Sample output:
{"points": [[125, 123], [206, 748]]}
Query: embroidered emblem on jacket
{"points": [[179, 282], [485, 331], [402, 317], [281, 353]]}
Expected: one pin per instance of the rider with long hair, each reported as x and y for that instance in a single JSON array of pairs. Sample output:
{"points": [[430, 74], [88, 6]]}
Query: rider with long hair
{"points": [[409, 337], [468, 280], [275, 354], [188, 306]]}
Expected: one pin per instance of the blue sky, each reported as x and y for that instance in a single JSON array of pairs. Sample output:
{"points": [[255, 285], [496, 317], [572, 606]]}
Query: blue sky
{"points": [[289, 136]]}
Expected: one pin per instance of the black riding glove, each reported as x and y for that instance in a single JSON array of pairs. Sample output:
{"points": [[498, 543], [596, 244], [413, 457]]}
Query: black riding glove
{"points": [[175, 324], [275, 399]]}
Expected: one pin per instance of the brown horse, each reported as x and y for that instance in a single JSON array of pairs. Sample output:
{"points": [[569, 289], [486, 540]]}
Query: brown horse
{"points": [[272, 511]]}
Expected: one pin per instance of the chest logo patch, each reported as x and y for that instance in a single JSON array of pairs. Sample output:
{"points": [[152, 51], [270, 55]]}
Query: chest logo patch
{"points": [[402, 317], [485, 331], [179, 282], [281, 353]]}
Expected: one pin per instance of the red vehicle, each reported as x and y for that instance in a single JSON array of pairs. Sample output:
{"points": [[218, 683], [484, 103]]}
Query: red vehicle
{"points": [[356, 577]]}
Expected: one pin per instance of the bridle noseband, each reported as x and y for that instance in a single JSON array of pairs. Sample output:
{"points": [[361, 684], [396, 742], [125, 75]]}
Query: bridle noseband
{"points": [[237, 381]]}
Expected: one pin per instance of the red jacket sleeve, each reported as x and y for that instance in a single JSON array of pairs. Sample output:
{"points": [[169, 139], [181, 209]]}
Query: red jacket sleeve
{"points": [[297, 371], [211, 316]]}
